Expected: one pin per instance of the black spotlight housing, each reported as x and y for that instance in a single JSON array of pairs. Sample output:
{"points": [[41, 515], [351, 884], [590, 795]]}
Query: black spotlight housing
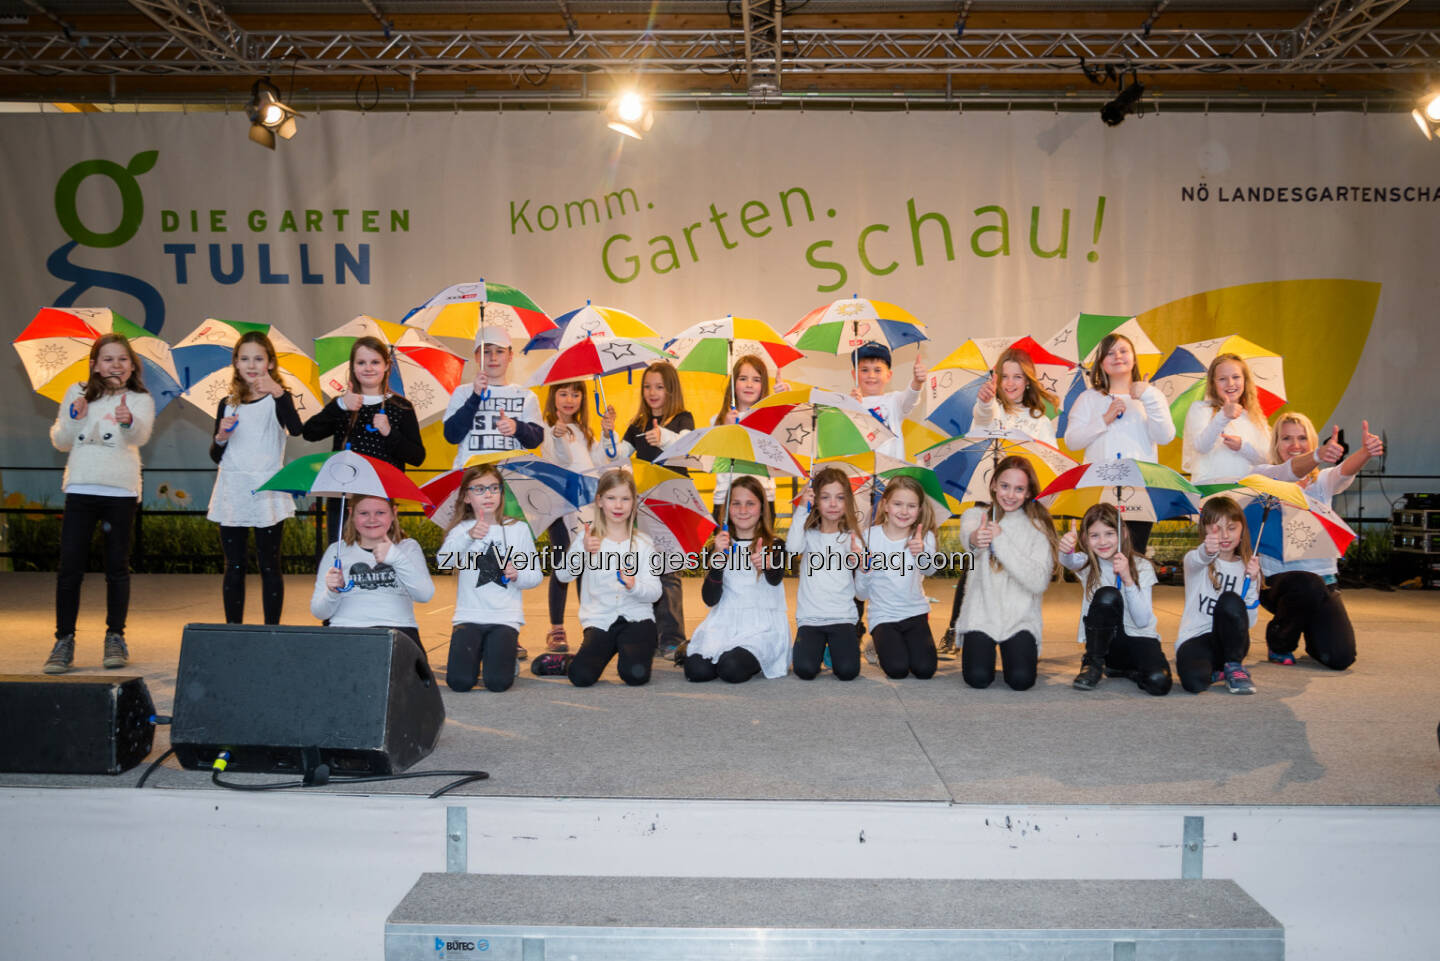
{"points": [[1115, 112]]}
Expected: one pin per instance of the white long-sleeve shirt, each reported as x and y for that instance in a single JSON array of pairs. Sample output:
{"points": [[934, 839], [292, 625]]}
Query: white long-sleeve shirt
{"points": [[104, 456], [1139, 434], [1207, 458], [1139, 617], [579, 453], [993, 416], [490, 603], [1003, 603], [603, 599], [1201, 595], [826, 590], [891, 407], [384, 594], [894, 586]]}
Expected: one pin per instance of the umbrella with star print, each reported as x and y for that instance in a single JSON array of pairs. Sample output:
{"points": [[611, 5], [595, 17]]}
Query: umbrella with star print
{"points": [[594, 358]]}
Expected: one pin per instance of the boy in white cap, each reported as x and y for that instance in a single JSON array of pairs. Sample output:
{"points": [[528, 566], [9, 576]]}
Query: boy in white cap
{"points": [[508, 418]]}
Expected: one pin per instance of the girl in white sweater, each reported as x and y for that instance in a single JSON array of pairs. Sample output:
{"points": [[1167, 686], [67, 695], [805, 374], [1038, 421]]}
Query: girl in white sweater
{"points": [[1225, 432], [900, 550], [494, 559], [102, 424], [1014, 398], [382, 572], [1014, 543], [1117, 623], [1222, 586], [824, 533]]}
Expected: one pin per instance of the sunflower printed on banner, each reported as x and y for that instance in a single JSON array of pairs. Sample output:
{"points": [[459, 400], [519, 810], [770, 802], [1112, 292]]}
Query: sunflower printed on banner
{"points": [[424, 371], [203, 359], [1181, 378], [55, 350], [460, 310]]}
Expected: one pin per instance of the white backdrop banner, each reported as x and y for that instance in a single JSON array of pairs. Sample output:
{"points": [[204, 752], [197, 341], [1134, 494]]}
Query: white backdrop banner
{"points": [[1311, 235]]}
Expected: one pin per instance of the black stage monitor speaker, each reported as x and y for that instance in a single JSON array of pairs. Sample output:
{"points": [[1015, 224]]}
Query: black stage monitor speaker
{"points": [[280, 698], [74, 724]]}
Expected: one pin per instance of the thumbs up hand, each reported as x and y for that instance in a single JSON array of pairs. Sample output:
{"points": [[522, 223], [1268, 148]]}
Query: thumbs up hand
{"points": [[123, 417], [1070, 540], [1331, 451], [1372, 443], [652, 436]]}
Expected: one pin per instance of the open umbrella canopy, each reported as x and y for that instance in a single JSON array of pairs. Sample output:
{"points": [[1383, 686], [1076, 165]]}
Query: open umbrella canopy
{"points": [[55, 350], [1077, 341], [1181, 377], [842, 325], [964, 465], [976, 358], [344, 472], [1141, 490], [575, 325], [671, 510], [731, 448], [203, 358], [811, 422], [424, 371], [459, 310], [872, 471], [714, 345], [1285, 523], [535, 490], [595, 357]]}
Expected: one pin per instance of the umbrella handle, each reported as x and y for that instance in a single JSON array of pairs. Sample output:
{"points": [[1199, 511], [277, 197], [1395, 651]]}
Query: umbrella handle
{"points": [[74, 414], [230, 411], [349, 582], [484, 394], [610, 448]]}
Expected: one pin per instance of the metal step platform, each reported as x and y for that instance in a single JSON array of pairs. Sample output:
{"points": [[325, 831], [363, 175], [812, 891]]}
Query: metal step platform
{"points": [[549, 918]]}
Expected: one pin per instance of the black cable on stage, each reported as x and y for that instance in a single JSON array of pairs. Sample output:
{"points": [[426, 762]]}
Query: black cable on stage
{"points": [[153, 765], [464, 777]]}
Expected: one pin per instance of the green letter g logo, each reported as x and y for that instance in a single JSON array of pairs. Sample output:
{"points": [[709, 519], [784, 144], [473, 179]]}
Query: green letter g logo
{"points": [[132, 209]]}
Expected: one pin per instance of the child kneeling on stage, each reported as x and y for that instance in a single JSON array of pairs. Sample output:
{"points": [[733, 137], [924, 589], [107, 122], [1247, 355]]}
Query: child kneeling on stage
{"points": [[374, 574], [616, 593], [494, 559], [1117, 623], [1222, 587]]}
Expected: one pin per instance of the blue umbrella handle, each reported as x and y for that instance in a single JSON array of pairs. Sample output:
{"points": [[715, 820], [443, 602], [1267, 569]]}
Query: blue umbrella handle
{"points": [[74, 414], [349, 582], [230, 412], [1119, 583]]}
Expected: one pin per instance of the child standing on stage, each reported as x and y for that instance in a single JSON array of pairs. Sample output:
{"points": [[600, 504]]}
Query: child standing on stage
{"points": [[1222, 584], [661, 420], [570, 442], [1225, 432], [494, 560], [381, 575], [249, 445], [490, 414], [618, 589], [747, 630], [1304, 595], [1014, 546], [1117, 624], [900, 549], [102, 423], [369, 418], [1120, 416], [749, 384], [872, 376], [824, 532]]}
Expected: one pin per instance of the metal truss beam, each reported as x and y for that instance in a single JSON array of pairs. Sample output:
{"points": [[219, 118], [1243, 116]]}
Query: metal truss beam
{"points": [[1335, 26], [203, 29], [805, 52], [764, 53]]}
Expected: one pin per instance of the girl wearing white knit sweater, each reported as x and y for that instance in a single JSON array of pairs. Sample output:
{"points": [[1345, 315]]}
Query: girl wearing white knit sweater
{"points": [[1015, 546], [899, 550], [1225, 431], [102, 423]]}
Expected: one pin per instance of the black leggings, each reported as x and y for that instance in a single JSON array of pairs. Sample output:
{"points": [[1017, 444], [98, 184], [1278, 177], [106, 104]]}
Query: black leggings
{"points": [[955, 601], [474, 647], [735, 666], [1304, 604], [1138, 658], [1227, 641], [234, 542], [116, 517], [670, 611], [809, 652], [633, 641], [559, 544], [905, 647], [1019, 659]]}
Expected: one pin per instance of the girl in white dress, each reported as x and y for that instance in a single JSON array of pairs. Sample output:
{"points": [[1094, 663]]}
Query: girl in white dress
{"points": [[747, 631], [249, 445]]}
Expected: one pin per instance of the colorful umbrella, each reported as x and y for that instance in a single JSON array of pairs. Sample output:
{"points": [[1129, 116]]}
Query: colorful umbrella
{"points": [[714, 345], [1289, 525], [424, 371], [965, 465], [811, 422], [589, 321], [731, 448], [870, 473], [55, 349], [842, 325], [536, 490], [670, 509], [594, 358], [955, 381], [340, 473], [1181, 378], [203, 358], [461, 310], [1140, 490], [1077, 341]]}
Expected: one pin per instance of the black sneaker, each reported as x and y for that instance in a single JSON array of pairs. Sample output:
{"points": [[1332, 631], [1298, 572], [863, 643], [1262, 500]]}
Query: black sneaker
{"points": [[1089, 676], [116, 654], [550, 664], [62, 655]]}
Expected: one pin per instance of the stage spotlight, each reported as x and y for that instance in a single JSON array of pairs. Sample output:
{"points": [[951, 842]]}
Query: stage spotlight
{"points": [[268, 116], [629, 114], [1427, 116], [1114, 112]]}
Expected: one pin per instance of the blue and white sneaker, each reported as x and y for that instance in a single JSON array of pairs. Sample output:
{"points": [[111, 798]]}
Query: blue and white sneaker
{"points": [[1237, 681]]}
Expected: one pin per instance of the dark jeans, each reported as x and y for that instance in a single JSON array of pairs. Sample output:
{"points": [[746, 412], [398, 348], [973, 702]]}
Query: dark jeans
{"points": [[1138, 658], [809, 652], [633, 641], [1227, 641], [234, 542], [735, 666], [1019, 659], [559, 544], [474, 647], [1303, 604], [116, 517], [670, 611], [905, 647]]}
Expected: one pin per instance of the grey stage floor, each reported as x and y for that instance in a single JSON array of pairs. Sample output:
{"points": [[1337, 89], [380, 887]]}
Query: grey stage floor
{"points": [[1310, 736]]}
